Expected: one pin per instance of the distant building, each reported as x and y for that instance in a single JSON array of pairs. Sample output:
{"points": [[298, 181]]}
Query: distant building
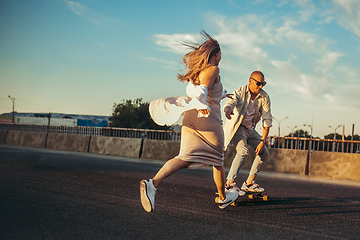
{"points": [[56, 119], [5, 119]]}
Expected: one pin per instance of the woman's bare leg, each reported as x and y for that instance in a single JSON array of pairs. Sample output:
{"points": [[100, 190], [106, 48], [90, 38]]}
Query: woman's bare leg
{"points": [[169, 168], [219, 179]]}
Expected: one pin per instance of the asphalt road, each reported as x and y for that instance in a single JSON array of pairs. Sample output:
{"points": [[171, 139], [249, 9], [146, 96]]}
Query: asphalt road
{"points": [[47, 194]]}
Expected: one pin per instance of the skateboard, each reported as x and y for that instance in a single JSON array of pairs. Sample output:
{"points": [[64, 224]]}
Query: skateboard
{"points": [[251, 196]]}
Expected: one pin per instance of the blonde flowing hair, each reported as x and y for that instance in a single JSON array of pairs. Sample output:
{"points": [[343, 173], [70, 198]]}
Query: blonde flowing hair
{"points": [[197, 60]]}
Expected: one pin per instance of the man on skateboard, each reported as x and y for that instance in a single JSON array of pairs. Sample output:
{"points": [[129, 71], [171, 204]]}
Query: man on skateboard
{"points": [[248, 105]]}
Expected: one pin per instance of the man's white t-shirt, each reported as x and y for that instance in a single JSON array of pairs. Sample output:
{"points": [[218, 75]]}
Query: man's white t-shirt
{"points": [[249, 116]]}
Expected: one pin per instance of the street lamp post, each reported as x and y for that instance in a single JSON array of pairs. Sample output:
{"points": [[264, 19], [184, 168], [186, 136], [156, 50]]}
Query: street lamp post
{"points": [[334, 135], [310, 126], [279, 123], [310, 141], [292, 135], [292, 130], [13, 108]]}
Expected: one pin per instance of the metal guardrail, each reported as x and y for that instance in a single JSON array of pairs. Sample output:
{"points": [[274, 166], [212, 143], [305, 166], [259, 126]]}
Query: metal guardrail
{"points": [[312, 144], [315, 144], [98, 131]]}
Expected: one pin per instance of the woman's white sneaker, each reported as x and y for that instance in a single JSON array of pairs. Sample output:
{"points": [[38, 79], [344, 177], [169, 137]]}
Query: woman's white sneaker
{"points": [[231, 196], [147, 195]]}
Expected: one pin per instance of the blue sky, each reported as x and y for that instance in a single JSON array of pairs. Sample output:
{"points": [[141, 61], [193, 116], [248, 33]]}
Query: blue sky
{"points": [[81, 57]]}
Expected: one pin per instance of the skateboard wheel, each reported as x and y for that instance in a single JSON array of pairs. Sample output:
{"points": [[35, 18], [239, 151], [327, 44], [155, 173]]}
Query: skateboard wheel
{"points": [[251, 196], [233, 204], [266, 198]]}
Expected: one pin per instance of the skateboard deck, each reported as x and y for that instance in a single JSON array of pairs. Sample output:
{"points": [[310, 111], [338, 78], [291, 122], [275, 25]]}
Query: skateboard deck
{"points": [[251, 195]]}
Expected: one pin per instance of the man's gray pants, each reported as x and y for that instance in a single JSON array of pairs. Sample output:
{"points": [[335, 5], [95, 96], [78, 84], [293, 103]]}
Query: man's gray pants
{"points": [[242, 138]]}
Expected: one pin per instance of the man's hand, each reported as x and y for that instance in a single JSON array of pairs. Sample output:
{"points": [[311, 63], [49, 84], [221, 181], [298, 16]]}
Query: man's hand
{"points": [[229, 95], [228, 112], [260, 148]]}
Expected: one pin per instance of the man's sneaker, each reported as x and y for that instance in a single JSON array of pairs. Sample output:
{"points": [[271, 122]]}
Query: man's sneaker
{"points": [[253, 188], [147, 194], [231, 196], [235, 188]]}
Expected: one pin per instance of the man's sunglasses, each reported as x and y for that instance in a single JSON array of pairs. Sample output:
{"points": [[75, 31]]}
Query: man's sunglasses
{"points": [[259, 83]]}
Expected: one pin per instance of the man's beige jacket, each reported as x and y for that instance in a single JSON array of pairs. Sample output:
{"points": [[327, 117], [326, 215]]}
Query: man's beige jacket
{"points": [[239, 104]]}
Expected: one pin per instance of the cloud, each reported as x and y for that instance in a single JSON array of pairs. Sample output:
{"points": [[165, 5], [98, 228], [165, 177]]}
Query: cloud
{"points": [[297, 61], [345, 12], [307, 42], [307, 65], [77, 8], [344, 97], [348, 75], [233, 4], [165, 63], [308, 11], [348, 14], [172, 43], [258, 43], [328, 61], [258, 1], [94, 16], [327, 16], [346, 4]]}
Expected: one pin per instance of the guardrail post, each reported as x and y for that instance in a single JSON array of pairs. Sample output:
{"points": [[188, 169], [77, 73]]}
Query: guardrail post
{"points": [[307, 166]]}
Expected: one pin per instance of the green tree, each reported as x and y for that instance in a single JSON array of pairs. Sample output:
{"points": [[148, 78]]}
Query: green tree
{"points": [[133, 114], [300, 133], [331, 136], [339, 137]]}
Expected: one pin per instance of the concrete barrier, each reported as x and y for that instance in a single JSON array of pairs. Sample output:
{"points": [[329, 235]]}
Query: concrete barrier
{"points": [[3, 136], [280, 160], [160, 150], [69, 142], [321, 164], [165, 150], [287, 161], [335, 165], [126, 147], [26, 139]]}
